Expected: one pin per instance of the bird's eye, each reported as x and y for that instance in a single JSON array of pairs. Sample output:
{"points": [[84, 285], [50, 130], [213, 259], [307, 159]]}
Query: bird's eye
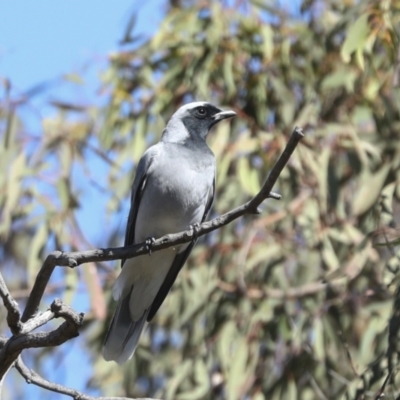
{"points": [[202, 111]]}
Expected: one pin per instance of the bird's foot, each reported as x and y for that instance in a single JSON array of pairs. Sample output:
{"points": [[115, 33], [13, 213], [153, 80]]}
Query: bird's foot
{"points": [[149, 244], [195, 228]]}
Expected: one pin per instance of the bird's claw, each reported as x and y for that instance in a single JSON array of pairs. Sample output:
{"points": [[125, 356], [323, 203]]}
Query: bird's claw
{"points": [[149, 244], [195, 228]]}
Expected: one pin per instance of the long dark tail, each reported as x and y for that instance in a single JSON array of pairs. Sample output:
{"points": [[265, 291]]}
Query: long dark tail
{"points": [[123, 334]]}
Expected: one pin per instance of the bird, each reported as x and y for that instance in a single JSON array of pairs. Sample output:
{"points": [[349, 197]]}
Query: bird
{"points": [[173, 191]]}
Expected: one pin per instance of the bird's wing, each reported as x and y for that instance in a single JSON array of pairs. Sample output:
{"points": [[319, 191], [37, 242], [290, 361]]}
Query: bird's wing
{"points": [[177, 264], [138, 186]]}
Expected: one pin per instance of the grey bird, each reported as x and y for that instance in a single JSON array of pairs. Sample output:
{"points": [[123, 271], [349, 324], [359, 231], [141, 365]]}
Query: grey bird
{"points": [[173, 191]]}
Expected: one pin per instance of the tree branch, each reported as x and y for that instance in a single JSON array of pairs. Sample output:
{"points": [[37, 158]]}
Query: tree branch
{"points": [[32, 377], [13, 312], [66, 331], [74, 259], [36, 322]]}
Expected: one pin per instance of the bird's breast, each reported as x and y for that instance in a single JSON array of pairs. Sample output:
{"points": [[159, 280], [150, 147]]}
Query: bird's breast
{"points": [[173, 199]]}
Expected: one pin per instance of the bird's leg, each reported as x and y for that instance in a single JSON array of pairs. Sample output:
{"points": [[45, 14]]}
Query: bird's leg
{"points": [[195, 228], [149, 244]]}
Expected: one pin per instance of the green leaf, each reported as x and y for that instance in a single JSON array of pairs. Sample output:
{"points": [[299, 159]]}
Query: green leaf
{"points": [[237, 373], [341, 78], [34, 260], [71, 280], [268, 41], [74, 78], [203, 383], [357, 262], [248, 177], [66, 158], [318, 339], [356, 39], [196, 305], [291, 389], [181, 372], [370, 189], [219, 139], [261, 252], [228, 75], [329, 255], [13, 192], [323, 161], [63, 193], [224, 344]]}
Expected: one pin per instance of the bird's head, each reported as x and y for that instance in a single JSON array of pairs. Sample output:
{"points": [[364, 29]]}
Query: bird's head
{"points": [[194, 120]]}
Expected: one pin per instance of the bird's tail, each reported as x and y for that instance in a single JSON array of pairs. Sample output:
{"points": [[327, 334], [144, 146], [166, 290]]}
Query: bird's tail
{"points": [[124, 334]]}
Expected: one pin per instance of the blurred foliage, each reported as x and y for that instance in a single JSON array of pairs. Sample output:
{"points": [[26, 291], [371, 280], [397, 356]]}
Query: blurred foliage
{"points": [[302, 302]]}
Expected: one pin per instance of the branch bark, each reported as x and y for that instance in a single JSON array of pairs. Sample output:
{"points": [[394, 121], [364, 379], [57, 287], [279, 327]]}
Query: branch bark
{"points": [[66, 331], [32, 377], [13, 312]]}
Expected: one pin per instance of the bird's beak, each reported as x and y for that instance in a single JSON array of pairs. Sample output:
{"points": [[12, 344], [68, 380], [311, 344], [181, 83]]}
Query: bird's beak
{"points": [[223, 115]]}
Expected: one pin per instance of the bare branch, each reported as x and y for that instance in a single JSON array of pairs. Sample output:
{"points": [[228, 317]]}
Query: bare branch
{"points": [[13, 312], [5, 375], [42, 279], [66, 312], [74, 259], [396, 70], [36, 322], [273, 176], [66, 331], [32, 377]]}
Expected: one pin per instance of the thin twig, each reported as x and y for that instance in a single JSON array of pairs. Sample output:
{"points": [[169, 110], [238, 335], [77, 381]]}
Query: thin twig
{"points": [[273, 176], [34, 323], [32, 377], [381, 392]]}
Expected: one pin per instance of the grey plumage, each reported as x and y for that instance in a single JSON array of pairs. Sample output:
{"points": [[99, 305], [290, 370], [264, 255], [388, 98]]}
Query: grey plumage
{"points": [[173, 189]]}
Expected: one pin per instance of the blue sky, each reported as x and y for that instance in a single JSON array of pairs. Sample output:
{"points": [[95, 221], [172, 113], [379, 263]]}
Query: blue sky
{"points": [[40, 41]]}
